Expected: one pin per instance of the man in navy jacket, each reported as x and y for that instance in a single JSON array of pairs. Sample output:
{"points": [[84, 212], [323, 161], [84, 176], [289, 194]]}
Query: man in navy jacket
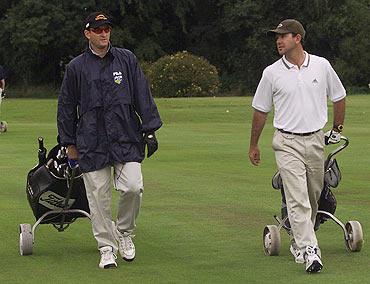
{"points": [[106, 116]]}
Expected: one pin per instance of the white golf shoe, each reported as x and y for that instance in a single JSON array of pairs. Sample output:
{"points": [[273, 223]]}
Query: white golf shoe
{"points": [[312, 258], [107, 258], [298, 255], [126, 246]]}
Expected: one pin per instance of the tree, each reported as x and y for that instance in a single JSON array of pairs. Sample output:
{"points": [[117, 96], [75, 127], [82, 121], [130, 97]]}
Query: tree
{"points": [[150, 28], [39, 35], [232, 35]]}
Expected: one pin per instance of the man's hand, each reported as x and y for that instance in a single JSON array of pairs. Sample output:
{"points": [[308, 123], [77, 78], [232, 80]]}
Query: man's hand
{"points": [[332, 137], [151, 143], [72, 155], [254, 155]]}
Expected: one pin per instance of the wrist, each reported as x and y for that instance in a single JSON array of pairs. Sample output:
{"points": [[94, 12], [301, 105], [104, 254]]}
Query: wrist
{"points": [[338, 128], [150, 134]]}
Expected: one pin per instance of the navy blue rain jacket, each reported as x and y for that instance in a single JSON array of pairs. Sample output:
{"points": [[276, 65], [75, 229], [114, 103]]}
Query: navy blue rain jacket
{"points": [[104, 107]]}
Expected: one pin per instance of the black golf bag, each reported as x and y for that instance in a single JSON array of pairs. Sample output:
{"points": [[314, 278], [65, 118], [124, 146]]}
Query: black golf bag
{"points": [[48, 187]]}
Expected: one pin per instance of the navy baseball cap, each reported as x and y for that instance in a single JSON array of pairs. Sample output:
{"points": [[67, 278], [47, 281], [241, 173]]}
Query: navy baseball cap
{"points": [[97, 19]]}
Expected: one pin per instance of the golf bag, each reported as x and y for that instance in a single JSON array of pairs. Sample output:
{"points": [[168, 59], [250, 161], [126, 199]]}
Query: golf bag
{"points": [[48, 187], [327, 201]]}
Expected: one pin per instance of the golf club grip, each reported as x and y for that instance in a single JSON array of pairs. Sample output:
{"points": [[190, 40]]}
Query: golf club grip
{"points": [[41, 143]]}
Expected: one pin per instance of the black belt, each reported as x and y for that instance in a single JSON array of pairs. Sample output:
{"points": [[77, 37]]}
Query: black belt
{"points": [[299, 134]]}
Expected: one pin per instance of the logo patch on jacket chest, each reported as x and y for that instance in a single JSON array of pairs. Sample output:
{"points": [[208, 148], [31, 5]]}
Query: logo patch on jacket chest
{"points": [[117, 77]]}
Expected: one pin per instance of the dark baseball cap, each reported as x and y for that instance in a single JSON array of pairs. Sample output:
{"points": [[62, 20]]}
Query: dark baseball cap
{"points": [[289, 26], [97, 19]]}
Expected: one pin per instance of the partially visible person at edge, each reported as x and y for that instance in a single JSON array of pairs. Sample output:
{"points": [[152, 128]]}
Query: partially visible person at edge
{"points": [[297, 85], [106, 116], [2, 79]]}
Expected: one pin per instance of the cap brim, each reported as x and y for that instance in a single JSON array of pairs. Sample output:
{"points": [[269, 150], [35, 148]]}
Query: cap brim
{"points": [[100, 23], [278, 31]]}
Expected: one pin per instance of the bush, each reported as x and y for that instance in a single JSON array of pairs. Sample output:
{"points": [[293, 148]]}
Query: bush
{"points": [[183, 75], [146, 67]]}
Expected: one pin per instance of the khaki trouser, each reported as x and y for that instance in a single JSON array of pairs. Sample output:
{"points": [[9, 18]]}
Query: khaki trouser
{"points": [[128, 182], [300, 160]]}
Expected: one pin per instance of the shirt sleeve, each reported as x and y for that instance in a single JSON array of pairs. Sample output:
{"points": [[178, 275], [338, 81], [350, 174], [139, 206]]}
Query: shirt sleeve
{"points": [[67, 109], [143, 100], [262, 99], [334, 89]]}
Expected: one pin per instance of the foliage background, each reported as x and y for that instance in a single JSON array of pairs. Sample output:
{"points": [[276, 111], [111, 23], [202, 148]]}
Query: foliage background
{"points": [[38, 37]]}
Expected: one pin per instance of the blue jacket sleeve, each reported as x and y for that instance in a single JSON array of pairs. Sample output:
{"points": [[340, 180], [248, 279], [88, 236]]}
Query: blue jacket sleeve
{"points": [[143, 100], [2, 73], [67, 108]]}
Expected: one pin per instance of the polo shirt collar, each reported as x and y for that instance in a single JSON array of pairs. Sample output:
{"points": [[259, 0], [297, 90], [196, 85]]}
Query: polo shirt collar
{"points": [[289, 65], [306, 61]]}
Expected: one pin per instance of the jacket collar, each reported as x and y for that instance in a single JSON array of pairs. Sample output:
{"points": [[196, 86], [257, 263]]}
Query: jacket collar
{"points": [[92, 52]]}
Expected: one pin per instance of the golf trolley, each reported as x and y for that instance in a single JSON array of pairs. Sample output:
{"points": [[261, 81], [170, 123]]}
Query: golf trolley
{"points": [[56, 194], [3, 124], [352, 230]]}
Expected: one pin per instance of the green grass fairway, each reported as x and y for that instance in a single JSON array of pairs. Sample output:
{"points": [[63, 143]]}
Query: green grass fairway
{"points": [[204, 206]]}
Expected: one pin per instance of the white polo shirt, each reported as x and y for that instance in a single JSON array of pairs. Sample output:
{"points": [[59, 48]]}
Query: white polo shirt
{"points": [[299, 96]]}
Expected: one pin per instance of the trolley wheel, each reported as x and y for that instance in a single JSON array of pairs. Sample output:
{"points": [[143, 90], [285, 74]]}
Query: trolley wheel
{"points": [[356, 237], [271, 240], [3, 126], [25, 239]]}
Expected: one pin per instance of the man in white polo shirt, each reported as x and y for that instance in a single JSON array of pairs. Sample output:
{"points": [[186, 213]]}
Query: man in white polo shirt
{"points": [[298, 85]]}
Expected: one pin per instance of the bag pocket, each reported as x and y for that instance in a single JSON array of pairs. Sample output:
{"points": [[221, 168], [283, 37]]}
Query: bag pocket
{"points": [[332, 174]]}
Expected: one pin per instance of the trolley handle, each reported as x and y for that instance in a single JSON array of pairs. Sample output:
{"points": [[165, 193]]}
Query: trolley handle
{"points": [[41, 142], [340, 148], [42, 151]]}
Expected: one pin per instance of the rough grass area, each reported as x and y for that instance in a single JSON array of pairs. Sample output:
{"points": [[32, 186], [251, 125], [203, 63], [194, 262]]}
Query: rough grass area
{"points": [[204, 206]]}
